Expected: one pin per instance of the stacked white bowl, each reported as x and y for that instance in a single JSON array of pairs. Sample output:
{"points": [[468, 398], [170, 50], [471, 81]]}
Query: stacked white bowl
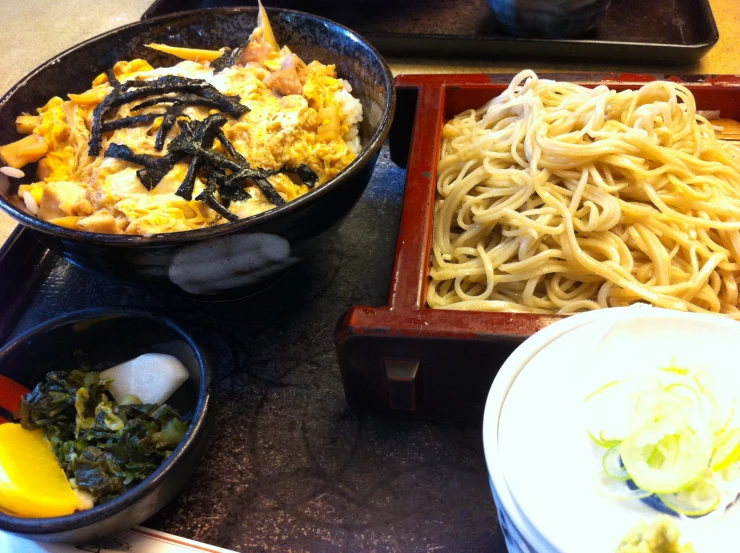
{"points": [[543, 468]]}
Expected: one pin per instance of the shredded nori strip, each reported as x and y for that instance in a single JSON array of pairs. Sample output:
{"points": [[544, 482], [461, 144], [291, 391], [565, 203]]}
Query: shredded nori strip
{"points": [[195, 139], [135, 90], [212, 157], [173, 83], [203, 135], [269, 192], [154, 167], [130, 121], [121, 151], [114, 82], [307, 175], [227, 192], [232, 193], [186, 188], [228, 58], [150, 176], [184, 100], [230, 147], [208, 197], [171, 115], [246, 171], [198, 145]]}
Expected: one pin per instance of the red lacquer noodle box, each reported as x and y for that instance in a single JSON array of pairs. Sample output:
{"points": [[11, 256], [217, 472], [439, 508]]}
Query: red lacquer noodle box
{"points": [[434, 363]]}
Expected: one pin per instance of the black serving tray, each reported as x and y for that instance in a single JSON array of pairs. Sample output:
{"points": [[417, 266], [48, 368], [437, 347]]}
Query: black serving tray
{"points": [[291, 467], [631, 31]]}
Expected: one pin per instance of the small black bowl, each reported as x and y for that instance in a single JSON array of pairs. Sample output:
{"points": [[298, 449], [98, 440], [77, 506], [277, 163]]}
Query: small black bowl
{"points": [[109, 337], [234, 259]]}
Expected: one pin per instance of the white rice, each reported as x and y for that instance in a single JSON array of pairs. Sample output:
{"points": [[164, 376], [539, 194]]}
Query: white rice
{"points": [[12, 172], [30, 202], [352, 111]]}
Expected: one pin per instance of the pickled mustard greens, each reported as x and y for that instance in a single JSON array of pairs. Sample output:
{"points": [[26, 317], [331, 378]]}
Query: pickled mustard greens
{"points": [[32, 484], [671, 437], [105, 447]]}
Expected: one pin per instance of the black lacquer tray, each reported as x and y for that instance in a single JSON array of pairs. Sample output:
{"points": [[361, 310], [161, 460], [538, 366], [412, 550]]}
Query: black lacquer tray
{"points": [[631, 31], [291, 467]]}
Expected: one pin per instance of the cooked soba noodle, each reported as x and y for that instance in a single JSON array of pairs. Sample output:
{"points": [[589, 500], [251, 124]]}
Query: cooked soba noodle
{"points": [[556, 198]]}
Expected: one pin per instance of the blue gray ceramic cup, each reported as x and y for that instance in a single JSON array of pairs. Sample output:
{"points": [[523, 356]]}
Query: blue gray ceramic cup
{"points": [[548, 18]]}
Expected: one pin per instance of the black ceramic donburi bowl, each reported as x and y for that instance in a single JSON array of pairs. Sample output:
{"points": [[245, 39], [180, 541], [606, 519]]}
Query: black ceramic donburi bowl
{"points": [[231, 259], [109, 337]]}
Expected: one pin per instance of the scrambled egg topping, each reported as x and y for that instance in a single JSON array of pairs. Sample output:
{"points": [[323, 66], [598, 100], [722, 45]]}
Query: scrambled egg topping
{"points": [[299, 114], [662, 536]]}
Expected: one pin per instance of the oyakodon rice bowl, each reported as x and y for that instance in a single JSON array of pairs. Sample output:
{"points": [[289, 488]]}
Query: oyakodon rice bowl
{"points": [[260, 153]]}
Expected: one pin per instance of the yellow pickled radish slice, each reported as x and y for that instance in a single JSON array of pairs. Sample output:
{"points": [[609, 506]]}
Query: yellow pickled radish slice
{"points": [[32, 483], [665, 456], [728, 451]]}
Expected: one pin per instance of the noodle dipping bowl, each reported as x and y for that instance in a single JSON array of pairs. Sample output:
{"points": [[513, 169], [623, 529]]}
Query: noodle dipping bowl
{"points": [[439, 363], [233, 259], [543, 466], [108, 337]]}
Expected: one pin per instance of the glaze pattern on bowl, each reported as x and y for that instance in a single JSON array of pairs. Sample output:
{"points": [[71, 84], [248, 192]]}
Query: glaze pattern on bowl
{"points": [[515, 540], [302, 223], [549, 18]]}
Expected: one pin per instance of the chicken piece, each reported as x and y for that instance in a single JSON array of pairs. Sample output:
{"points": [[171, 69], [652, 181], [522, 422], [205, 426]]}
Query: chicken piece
{"points": [[290, 77], [63, 198], [114, 180], [43, 169], [256, 52], [285, 81], [292, 60], [125, 183], [262, 44], [102, 221]]}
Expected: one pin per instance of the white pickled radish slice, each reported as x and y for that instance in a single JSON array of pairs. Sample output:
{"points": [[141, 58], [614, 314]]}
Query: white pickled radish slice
{"points": [[152, 377], [618, 489]]}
